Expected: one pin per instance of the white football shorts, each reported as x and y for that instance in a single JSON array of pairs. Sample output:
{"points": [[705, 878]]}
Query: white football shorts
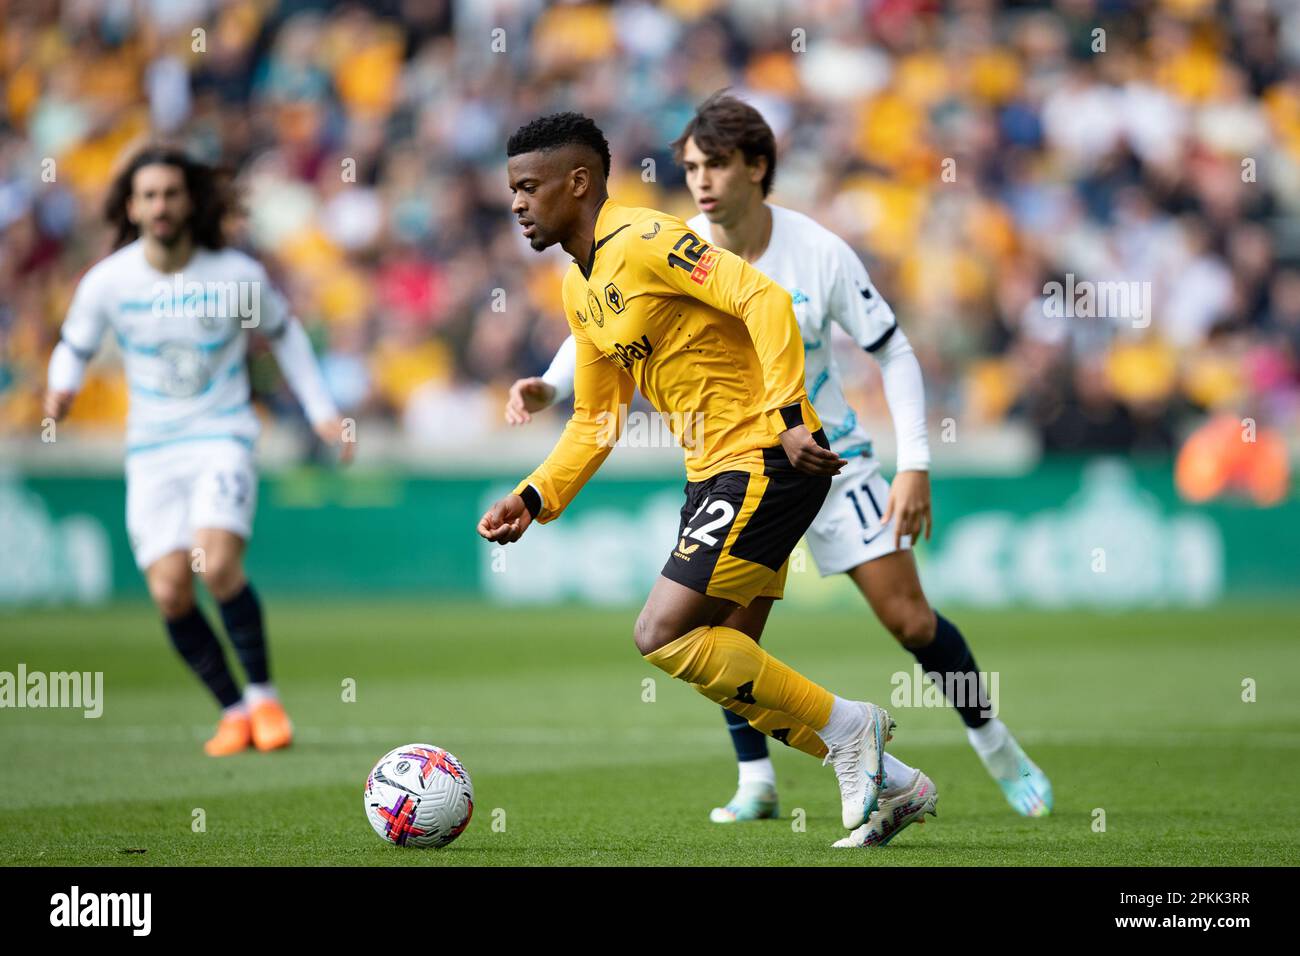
{"points": [[173, 490], [848, 530]]}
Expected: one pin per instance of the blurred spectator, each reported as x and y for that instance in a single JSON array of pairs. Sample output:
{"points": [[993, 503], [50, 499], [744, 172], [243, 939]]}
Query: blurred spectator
{"points": [[972, 155]]}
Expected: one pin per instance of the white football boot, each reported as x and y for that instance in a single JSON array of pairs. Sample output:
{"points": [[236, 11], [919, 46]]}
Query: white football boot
{"points": [[898, 809], [859, 768]]}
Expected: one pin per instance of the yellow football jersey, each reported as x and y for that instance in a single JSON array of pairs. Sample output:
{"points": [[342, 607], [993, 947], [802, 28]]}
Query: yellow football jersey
{"points": [[711, 342]]}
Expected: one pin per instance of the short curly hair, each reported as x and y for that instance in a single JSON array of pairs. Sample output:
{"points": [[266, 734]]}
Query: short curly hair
{"points": [[556, 130]]}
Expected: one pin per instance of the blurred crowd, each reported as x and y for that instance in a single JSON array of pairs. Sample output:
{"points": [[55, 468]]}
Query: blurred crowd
{"points": [[973, 152]]}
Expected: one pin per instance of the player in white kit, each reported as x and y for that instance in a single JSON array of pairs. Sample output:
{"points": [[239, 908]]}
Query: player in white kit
{"points": [[866, 527], [181, 306]]}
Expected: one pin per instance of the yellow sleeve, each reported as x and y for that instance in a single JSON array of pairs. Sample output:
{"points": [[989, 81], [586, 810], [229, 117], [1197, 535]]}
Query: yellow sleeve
{"points": [[679, 261], [601, 394]]}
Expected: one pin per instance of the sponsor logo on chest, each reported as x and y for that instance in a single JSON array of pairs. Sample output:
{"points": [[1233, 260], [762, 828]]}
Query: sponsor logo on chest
{"points": [[626, 356]]}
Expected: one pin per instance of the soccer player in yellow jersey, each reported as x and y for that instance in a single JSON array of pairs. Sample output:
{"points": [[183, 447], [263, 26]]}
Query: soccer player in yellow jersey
{"points": [[866, 527], [714, 346]]}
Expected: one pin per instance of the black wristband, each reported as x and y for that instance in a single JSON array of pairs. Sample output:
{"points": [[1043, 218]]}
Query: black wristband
{"points": [[792, 415], [532, 500]]}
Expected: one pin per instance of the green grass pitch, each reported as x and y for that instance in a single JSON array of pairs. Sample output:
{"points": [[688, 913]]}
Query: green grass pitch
{"points": [[1139, 715]]}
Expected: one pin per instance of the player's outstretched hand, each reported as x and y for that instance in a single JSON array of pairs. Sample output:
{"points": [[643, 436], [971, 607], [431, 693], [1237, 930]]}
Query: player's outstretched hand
{"points": [[505, 521], [528, 395], [57, 403], [335, 433], [808, 456], [909, 505]]}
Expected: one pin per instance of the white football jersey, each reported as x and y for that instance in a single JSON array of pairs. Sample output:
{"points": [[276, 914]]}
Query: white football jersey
{"points": [[184, 340], [828, 283]]}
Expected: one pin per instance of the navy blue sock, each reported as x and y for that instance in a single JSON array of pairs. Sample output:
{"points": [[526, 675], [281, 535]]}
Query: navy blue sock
{"points": [[198, 646], [949, 656], [242, 615], [750, 744]]}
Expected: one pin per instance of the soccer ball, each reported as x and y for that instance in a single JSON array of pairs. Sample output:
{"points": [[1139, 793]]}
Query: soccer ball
{"points": [[419, 795]]}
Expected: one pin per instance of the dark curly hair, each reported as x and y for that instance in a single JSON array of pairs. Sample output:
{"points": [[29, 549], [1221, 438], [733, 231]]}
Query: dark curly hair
{"points": [[723, 123], [556, 130], [210, 190]]}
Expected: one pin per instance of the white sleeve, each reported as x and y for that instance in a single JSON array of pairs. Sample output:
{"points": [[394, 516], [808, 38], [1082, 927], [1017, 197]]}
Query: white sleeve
{"points": [[853, 302], [563, 367], [297, 361], [860, 310], [79, 338], [292, 349], [900, 373], [273, 314]]}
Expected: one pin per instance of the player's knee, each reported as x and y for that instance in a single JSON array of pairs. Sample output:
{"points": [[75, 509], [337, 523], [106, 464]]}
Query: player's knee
{"points": [[911, 622], [652, 631], [173, 596], [223, 575], [643, 632]]}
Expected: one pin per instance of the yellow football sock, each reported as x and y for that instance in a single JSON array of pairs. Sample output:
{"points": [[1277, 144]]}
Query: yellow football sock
{"points": [[775, 724], [728, 665]]}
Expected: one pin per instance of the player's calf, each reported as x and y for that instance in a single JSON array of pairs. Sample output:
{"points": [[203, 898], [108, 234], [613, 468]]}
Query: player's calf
{"points": [[241, 611], [911, 622], [198, 646], [945, 653]]}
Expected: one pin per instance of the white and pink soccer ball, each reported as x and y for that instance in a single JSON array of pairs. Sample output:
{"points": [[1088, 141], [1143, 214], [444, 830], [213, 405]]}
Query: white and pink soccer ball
{"points": [[419, 795]]}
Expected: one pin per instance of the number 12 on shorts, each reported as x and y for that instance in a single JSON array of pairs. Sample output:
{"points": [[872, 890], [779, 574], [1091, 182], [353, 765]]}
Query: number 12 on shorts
{"points": [[724, 511]]}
